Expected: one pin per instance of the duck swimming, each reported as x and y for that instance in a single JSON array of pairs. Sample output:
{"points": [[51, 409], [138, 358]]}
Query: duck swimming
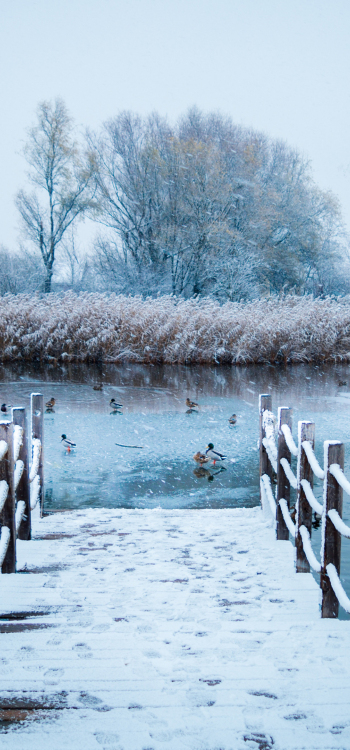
{"points": [[191, 404], [113, 404], [5, 407], [67, 443], [233, 419], [98, 387], [214, 455]]}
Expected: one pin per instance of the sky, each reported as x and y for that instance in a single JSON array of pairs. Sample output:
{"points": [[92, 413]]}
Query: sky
{"points": [[278, 66]]}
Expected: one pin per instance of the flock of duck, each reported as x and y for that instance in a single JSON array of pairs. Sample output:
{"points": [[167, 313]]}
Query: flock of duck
{"points": [[200, 458]]}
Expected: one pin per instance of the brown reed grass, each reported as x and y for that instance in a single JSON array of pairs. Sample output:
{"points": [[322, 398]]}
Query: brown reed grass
{"points": [[94, 327]]}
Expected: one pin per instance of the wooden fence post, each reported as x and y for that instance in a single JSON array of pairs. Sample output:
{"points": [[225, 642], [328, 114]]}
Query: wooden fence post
{"points": [[306, 431], [23, 489], [37, 414], [285, 416], [7, 517], [331, 538], [265, 402]]}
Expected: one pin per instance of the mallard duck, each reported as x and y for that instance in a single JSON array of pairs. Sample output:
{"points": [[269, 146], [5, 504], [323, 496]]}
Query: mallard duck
{"points": [[191, 404], [67, 443], [233, 419], [113, 404], [200, 458], [342, 382], [5, 407], [214, 455], [50, 404], [98, 387]]}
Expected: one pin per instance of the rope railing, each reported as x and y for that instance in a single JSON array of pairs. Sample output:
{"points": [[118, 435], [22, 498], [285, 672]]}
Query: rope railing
{"points": [[316, 468], [289, 473], [289, 439], [334, 482], [315, 505]]}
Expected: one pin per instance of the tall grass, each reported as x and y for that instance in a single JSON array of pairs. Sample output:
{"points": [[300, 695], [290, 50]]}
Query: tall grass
{"points": [[93, 327]]}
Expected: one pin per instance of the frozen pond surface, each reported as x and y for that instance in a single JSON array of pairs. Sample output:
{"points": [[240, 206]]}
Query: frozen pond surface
{"points": [[162, 473]]}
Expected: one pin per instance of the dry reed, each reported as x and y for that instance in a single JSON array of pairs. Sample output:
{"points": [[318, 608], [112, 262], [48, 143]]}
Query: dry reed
{"points": [[95, 327]]}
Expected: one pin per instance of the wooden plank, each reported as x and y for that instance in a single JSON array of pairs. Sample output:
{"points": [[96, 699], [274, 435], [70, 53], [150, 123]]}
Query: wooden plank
{"points": [[37, 420], [265, 402], [23, 489], [285, 416], [7, 517], [306, 431], [331, 538]]}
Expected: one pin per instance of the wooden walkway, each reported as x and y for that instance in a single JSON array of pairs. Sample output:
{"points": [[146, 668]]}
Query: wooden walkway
{"points": [[174, 630]]}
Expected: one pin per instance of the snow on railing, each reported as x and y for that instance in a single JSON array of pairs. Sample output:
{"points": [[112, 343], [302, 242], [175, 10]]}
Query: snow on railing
{"points": [[289, 473], [19, 467], [20, 510], [269, 443], [339, 475], [343, 599], [3, 449], [265, 481], [4, 488], [36, 446], [315, 505], [4, 543], [338, 522], [34, 491], [287, 519], [316, 468], [289, 439], [308, 549], [17, 441]]}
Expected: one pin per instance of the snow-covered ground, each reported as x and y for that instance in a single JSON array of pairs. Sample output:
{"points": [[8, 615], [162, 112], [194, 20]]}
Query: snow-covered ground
{"points": [[174, 629]]}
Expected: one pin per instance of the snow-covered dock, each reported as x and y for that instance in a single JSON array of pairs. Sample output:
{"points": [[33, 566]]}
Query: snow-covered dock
{"points": [[144, 630]]}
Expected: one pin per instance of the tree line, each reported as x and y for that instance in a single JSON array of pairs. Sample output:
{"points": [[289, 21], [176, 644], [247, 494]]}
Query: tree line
{"points": [[204, 207]]}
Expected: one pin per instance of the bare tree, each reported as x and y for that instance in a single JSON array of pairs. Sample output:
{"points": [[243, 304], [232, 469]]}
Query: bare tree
{"points": [[63, 178]]}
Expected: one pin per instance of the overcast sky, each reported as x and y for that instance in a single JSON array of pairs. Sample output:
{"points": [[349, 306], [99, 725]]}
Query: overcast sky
{"points": [[281, 66]]}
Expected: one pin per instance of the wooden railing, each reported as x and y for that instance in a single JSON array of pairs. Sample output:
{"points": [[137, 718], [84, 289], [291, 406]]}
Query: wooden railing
{"points": [[21, 486], [275, 470]]}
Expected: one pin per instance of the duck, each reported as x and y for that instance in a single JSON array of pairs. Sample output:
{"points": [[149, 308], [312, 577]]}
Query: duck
{"points": [[98, 387], [342, 382], [113, 404], [67, 443], [50, 404], [214, 455], [200, 458], [5, 407], [191, 404], [233, 419]]}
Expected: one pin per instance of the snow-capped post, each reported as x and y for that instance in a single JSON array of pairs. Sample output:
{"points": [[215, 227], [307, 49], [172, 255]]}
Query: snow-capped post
{"points": [[265, 403], [306, 431], [22, 489], [7, 516], [331, 538], [37, 412], [285, 417]]}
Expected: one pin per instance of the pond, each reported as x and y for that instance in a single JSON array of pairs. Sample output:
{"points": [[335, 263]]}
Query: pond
{"points": [[161, 472]]}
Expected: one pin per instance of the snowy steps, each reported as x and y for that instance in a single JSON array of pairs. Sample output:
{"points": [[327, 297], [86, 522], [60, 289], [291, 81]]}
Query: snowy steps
{"points": [[142, 630]]}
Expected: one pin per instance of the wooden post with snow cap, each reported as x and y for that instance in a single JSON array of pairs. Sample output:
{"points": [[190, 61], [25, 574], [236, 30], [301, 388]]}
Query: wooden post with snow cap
{"points": [[7, 516], [331, 538], [23, 489], [37, 419], [285, 416], [306, 431], [265, 403]]}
